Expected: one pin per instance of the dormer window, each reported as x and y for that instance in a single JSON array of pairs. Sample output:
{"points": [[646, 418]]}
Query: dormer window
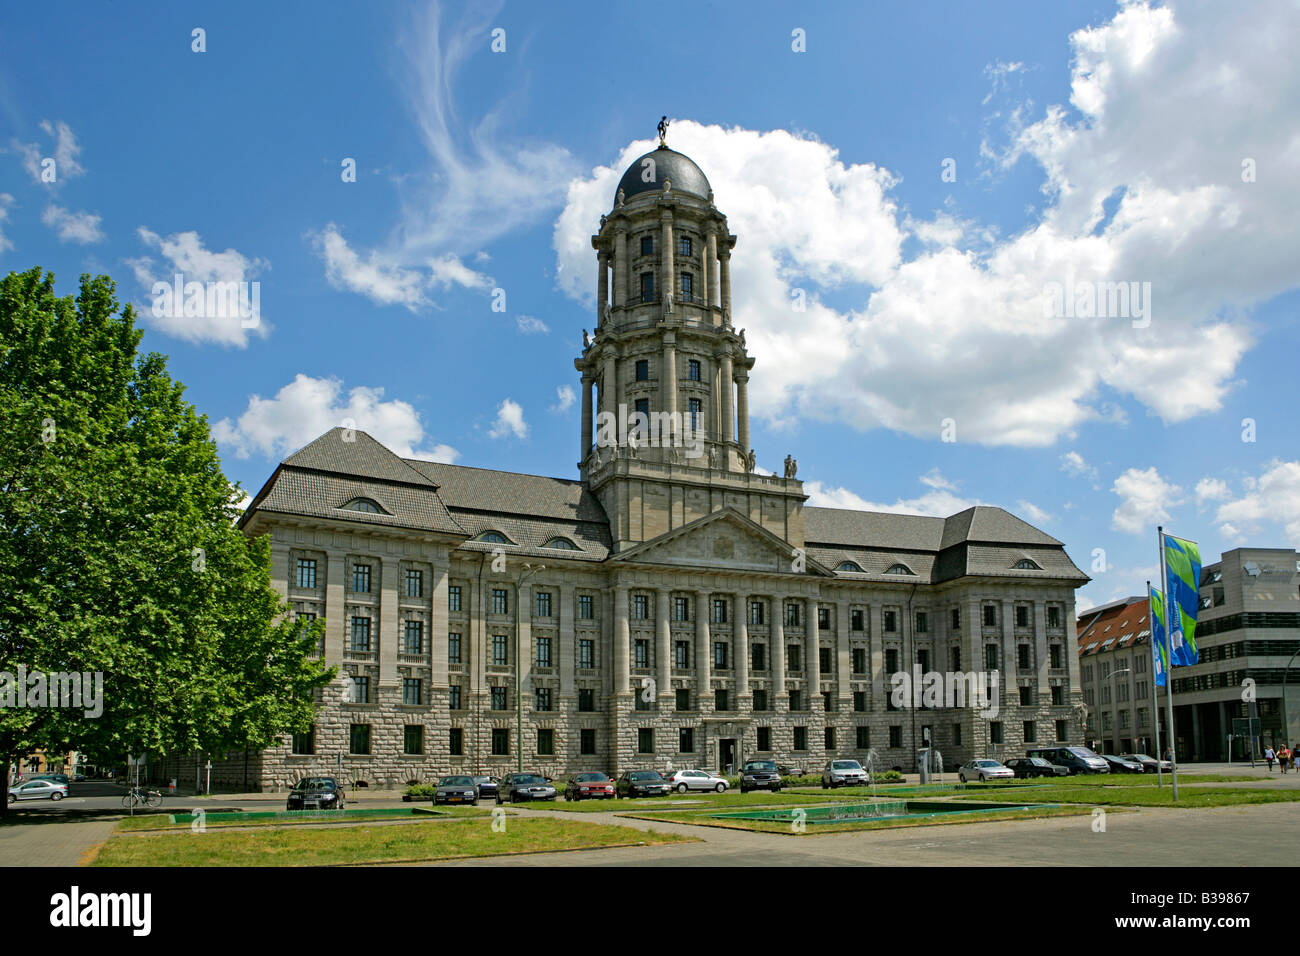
{"points": [[849, 566], [364, 504], [562, 544], [493, 537], [899, 569], [1024, 564]]}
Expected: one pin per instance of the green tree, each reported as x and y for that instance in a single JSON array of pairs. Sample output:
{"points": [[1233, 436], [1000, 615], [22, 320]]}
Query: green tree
{"points": [[118, 547]]}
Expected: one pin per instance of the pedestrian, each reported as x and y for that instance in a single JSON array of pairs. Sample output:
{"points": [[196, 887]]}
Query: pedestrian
{"points": [[1283, 758], [1268, 758], [1295, 754]]}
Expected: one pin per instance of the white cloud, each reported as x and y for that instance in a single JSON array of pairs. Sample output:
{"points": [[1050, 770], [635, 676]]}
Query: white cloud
{"points": [[186, 255], [509, 421], [565, 396], [940, 501], [531, 325], [1145, 500], [82, 227], [308, 407], [65, 153], [967, 318], [1270, 502], [380, 280], [6, 203], [1072, 463], [1212, 489], [1032, 513]]}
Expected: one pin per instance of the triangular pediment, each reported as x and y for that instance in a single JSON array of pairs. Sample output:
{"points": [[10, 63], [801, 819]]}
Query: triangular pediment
{"points": [[725, 540]]}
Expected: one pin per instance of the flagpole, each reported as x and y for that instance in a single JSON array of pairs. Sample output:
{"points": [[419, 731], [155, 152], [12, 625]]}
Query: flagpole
{"points": [[1155, 704], [1169, 671]]}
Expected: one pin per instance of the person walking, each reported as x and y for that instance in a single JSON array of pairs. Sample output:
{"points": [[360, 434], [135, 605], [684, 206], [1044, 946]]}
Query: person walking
{"points": [[1283, 758], [1268, 758]]}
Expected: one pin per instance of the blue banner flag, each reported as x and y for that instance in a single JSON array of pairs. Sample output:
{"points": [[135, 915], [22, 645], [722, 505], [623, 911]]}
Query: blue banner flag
{"points": [[1183, 573], [1159, 640]]}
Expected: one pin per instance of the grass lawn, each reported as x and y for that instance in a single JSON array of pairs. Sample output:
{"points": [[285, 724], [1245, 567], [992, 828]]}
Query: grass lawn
{"points": [[783, 826], [319, 846], [163, 821], [1145, 796], [707, 801]]}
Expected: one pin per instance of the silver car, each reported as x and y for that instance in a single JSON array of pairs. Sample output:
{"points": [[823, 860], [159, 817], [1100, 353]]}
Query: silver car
{"points": [[984, 770], [683, 780], [843, 773], [38, 790]]}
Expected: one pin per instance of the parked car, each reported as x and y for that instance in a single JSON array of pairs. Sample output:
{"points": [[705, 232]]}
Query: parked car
{"points": [[589, 785], [789, 771], [643, 783], [487, 787], [456, 790], [1073, 759], [760, 775], [1027, 767], [38, 790], [1122, 764], [843, 773], [984, 770], [518, 787], [316, 793], [1149, 764], [683, 780], [56, 777]]}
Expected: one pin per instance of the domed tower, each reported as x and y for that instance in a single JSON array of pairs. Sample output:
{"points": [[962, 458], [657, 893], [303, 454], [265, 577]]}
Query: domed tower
{"points": [[669, 439]]}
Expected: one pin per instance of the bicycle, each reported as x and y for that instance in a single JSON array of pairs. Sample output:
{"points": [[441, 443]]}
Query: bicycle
{"points": [[135, 796]]}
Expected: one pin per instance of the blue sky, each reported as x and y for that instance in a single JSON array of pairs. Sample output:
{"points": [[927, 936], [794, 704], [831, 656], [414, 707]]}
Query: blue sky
{"points": [[1092, 141]]}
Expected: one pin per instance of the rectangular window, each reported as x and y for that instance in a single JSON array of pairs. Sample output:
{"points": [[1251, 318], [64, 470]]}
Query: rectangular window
{"points": [[453, 597], [413, 739], [681, 609], [456, 741], [304, 744], [586, 653], [863, 735], [891, 660], [586, 700], [1022, 616], [500, 650], [955, 655], [720, 655], [829, 735], [801, 738], [500, 742], [639, 702], [647, 245], [1022, 657], [956, 619], [760, 700], [1062, 730], [542, 698], [453, 697], [1026, 696], [645, 740], [857, 620], [414, 583], [720, 699], [683, 699], [923, 658], [1053, 616], [361, 635], [756, 612], [359, 739], [586, 607], [696, 408], [693, 370], [764, 741], [640, 607], [685, 246], [1054, 653], [824, 663], [500, 700], [792, 615], [956, 735], [453, 648], [990, 657], [828, 702], [500, 601], [641, 653], [545, 742], [796, 700], [307, 573], [414, 638], [682, 654], [1030, 732], [361, 578], [922, 622], [719, 610], [990, 615], [823, 618], [792, 657], [1058, 695], [688, 286], [412, 691], [542, 604], [995, 732], [895, 735], [859, 656], [542, 647], [643, 407], [647, 287], [891, 622], [757, 657], [860, 701], [587, 742], [642, 370], [686, 740]]}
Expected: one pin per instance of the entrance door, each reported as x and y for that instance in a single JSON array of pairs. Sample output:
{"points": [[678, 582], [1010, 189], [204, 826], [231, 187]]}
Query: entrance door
{"points": [[727, 755]]}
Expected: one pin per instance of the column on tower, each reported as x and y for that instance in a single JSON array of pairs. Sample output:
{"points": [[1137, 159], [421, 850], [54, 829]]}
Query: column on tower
{"points": [[725, 381], [666, 222], [813, 650], [602, 285], [741, 650], [705, 285], [703, 660], [609, 385], [622, 639], [669, 376], [663, 653], [725, 266], [620, 266], [712, 265], [586, 416], [777, 641], [742, 409]]}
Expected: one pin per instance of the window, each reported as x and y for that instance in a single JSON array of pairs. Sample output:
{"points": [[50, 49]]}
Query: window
{"points": [[792, 615], [923, 658], [500, 742], [895, 735], [500, 650], [453, 597], [1026, 696], [696, 409], [363, 504], [1030, 732], [828, 702], [546, 742], [829, 734], [542, 604], [647, 287], [891, 660], [307, 573], [801, 738], [645, 740], [719, 610], [899, 569], [1024, 564], [361, 635], [304, 744], [413, 739], [796, 700], [955, 655], [760, 700], [586, 653], [756, 612], [641, 653], [642, 370], [500, 601], [586, 700], [640, 607], [996, 734], [681, 609], [359, 739], [414, 582], [683, 699], [1022, 657], [956, 735], [587, 742], [1058, 695], [857, 620], [693, 370], [720, 699], [922, 622], [586, 607], [412, 691], [453, 697], [956, 619], [561, 544], [990, 657], [858, 657], [1022, 616], [414, 638], [542, 648], [1053, 616], [647, 245], [456, 741], [500, 698], [682, 654], [990, 615], [823, 618], [851, 566], [453, 648], [542, 698], [792, 657], [860, 701], [891, 622], [764, 741], [361, 578], [758, 657], [1063, 729], [688, 286], [685, 246], [720, 655], [686, 740], [1054, 652], [639, 702], [863, 735], [824, 663]]}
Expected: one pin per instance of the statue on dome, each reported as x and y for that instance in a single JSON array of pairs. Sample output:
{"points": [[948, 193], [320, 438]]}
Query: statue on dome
{"points": [[586, 339], [668, 301], [791, 466], [751, 460], [620, 197], [663, 132]]}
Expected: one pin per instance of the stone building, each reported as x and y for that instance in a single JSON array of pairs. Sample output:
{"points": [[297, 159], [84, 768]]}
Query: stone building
{"points": [[672, 606]]}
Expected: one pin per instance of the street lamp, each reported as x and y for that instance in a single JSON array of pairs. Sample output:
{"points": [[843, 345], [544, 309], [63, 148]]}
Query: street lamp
{"points": [[1115, 687], [529, 570]]}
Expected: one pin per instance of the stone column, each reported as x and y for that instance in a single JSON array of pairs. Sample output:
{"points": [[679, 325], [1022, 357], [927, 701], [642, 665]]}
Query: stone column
{"points": [[705, 285], [777, 640], [880, 681], [813, 648], [667, 256], [725, 279], [622, 639], [389, 571], [620, 266], [439, 623], [336, 616], [602, 285], [586, 417], [712, 265], [281, 571], [1040, 648], [742, 409], [609, 385], [740, 628], [1010, 655], [844, 657], [725, 383], [566, 649], [525, 636], [669, 376], [664, 635], [703, 653]]}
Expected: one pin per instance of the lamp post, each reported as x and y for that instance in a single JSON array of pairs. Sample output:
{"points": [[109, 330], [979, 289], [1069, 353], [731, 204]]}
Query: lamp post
{"points": [[529, 570], [1285, 727]]}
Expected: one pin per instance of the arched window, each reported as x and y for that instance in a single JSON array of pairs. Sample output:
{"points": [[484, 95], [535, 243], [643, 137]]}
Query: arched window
{"points": [[1024, 564], [493, 537], [899, 569], [562, 544], [364, 504], [849, 566]]}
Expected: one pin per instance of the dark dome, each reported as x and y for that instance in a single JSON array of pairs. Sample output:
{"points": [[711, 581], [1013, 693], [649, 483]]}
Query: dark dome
{"points": [[669, 164]]}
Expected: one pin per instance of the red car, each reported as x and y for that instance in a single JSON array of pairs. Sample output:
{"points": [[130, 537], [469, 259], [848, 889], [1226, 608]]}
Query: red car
{"points": [[591, 785]]}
